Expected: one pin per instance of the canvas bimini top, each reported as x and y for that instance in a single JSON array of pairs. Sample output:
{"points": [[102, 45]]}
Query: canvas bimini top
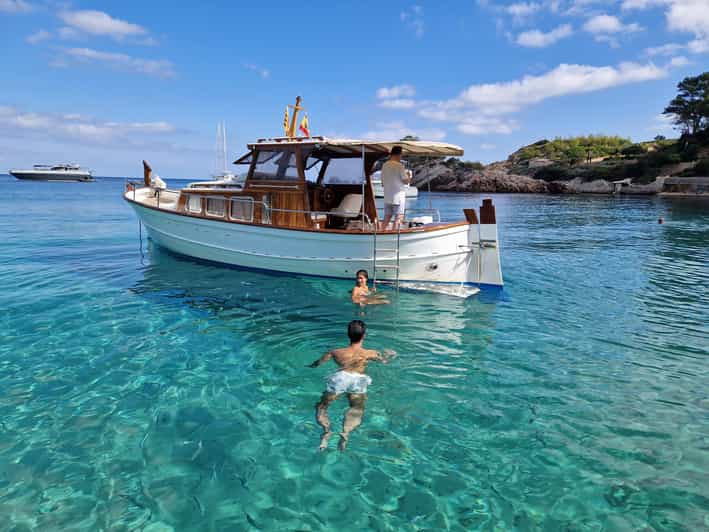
{"points": [[354, 147]]}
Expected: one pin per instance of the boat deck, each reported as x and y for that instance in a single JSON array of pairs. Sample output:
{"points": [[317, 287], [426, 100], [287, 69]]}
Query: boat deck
{"points": [[168, 200]]}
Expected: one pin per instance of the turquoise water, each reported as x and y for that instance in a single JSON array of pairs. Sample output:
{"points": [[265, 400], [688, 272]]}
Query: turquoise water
{"points": [[142, 391]]}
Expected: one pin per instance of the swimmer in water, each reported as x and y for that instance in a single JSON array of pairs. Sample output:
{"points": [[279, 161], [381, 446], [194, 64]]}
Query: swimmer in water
{"points": [[349, 379], [361, 295]]}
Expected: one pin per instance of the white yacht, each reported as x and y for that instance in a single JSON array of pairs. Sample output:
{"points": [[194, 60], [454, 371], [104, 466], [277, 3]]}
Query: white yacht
{"points": [[411, 191], [56, 172], [308, 207]]}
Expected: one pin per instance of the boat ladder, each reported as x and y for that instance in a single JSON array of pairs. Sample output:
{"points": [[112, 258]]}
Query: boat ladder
{"points": [[386, 258]]}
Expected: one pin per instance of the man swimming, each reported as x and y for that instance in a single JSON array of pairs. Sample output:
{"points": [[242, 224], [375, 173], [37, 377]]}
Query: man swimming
{"points": [[349, 379], [361, 295]]}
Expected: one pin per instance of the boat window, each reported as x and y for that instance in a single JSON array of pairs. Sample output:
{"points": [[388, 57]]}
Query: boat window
{"points": [[266, 209], [276, 165], [312, 172], [216, 207], [242, 209], [344, 171], [194, 203]]}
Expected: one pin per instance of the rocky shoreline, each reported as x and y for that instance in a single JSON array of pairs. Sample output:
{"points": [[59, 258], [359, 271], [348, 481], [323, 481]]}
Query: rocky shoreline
{"points": [[498, 177]]}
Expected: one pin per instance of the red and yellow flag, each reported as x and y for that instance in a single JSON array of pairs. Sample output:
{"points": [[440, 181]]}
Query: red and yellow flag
{"points": [[305, 126], [285, 122]]}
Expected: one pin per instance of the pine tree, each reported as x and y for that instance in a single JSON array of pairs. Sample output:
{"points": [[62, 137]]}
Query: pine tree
{"points": [[690, 108]]}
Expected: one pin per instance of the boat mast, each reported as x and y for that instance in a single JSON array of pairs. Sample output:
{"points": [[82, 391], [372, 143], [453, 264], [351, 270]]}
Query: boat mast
{"points": [[224, 145], [220, 164], [293, 122]]}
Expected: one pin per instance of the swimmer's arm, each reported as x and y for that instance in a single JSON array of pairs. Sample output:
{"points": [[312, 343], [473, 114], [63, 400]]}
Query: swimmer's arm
{"points": [[327, 356], [384, 357]]}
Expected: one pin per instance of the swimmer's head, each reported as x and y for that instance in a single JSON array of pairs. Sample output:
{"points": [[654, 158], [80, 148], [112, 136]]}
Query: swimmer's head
{"points": [[362, 277], [356, 330]]}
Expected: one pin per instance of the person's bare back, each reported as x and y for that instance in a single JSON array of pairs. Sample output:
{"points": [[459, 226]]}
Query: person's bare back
{"points": [[349, 379], [354, 358]]}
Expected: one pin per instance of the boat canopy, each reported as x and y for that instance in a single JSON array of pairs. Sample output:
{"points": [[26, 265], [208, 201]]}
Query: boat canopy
{"points": [[352, 147]]}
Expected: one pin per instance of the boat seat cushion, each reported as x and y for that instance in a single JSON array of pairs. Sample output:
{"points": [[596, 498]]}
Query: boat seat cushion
{"points": [[349, 207], [420, 220]]}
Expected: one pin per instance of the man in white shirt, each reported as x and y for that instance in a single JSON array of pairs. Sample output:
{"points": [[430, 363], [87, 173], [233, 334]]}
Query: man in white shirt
{"points": [[394, 180]]}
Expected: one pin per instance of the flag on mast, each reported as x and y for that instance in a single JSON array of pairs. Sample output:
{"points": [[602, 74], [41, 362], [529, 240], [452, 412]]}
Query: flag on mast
{"points": [[305, 126], [285, 121]]}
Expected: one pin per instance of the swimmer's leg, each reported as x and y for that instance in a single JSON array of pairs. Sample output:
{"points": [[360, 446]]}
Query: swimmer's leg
{"points": [[322, 418], [353, 417]]}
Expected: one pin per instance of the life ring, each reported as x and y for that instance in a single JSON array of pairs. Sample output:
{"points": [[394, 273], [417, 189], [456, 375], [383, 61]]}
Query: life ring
{"points": [[328, 196]]}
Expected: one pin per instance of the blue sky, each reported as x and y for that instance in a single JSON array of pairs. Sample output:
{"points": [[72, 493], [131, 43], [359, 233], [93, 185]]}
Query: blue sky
{"points": [[106, 84]]}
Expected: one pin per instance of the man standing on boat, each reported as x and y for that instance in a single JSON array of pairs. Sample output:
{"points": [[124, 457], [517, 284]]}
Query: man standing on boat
{"points": [[395, 177], [349, 379]]}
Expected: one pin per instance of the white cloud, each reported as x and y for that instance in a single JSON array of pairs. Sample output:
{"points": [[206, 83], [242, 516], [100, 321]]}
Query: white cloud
{"points": [[665, 49], [689, 16], [67, 33], [397, 91], [538, 39], [413, 19], [263, 72], [101, 24], [487, 146], [158, 68], [605, 28], [397, 103], [679, 61], [72, 126], [483, 125], [662, 125], [642, 4], [522, 9], [41, 35], [607, 24], [398, 130], [699, 46], [506, 97], [15, 6]]}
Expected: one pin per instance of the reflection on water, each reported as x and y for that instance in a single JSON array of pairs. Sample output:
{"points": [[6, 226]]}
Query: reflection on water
{"points": [[174, 393]]}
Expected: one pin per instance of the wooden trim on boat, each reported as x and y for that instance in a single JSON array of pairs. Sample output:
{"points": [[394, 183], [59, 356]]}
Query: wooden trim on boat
{"points": [[471, 216], [202, 216], [487, 212]]}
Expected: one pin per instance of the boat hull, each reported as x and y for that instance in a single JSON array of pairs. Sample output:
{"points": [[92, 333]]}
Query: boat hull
{"points": [[38, 175], [446, 255]]}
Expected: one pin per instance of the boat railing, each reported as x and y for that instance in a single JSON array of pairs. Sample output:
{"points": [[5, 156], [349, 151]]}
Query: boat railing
{"points": [[434, 213], [366, 220]]}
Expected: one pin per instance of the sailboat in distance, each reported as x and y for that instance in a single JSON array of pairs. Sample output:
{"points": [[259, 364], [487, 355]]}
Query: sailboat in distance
{"points": [[222, 177], [220, 165]]}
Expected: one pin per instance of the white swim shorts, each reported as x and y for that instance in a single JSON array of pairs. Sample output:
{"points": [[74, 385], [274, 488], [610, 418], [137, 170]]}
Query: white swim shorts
{"points": [[348, 382]]}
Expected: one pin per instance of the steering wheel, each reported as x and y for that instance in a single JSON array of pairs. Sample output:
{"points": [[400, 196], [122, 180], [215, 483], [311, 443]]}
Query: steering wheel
{"points": [[328, 196]]}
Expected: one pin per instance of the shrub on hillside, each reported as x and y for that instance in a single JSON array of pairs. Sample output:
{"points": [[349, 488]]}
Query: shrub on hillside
{"points": [[701, 169], [633, 150], [573, 150], [662, 158], [552, 173], [689, 152]]}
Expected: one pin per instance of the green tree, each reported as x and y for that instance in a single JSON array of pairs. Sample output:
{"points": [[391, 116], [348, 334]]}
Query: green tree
{"points": [[690, 108]]}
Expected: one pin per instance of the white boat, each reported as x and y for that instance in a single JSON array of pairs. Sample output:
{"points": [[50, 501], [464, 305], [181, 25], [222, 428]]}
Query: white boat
{"points": [[222, 177], [411, 191], [57, 172], [308, 207]]}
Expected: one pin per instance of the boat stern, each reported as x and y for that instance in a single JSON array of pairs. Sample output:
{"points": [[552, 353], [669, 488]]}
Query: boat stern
{"points": [[484, 245]]}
